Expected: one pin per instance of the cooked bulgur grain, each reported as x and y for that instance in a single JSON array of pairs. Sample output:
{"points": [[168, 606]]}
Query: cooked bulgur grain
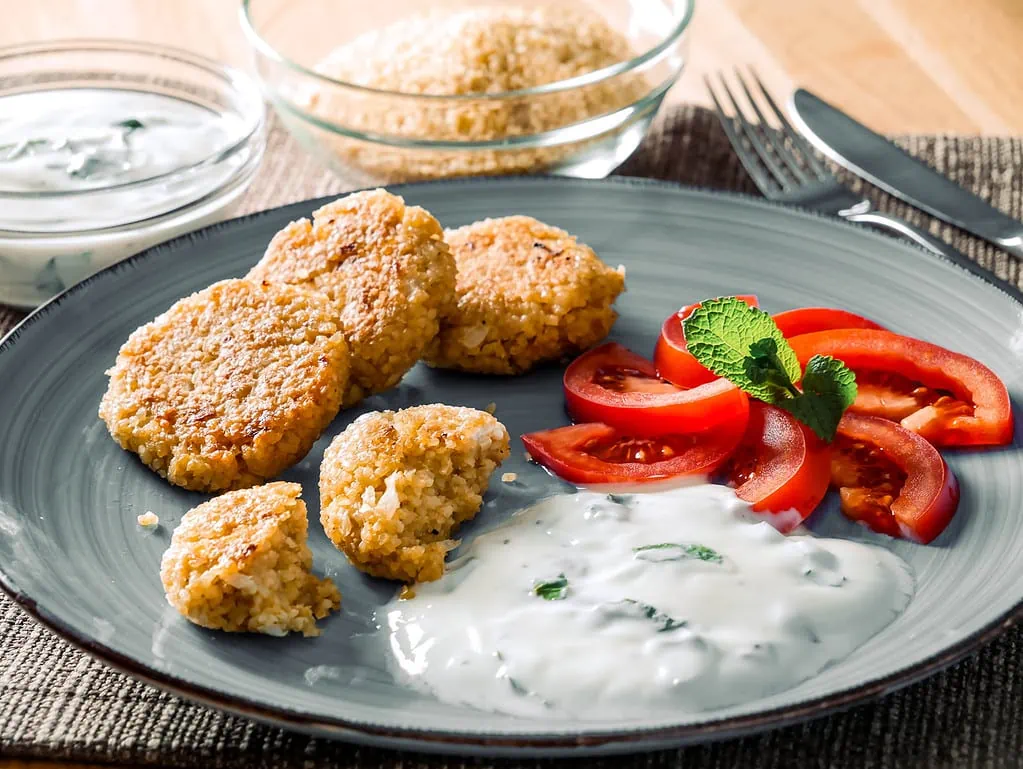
{"points": [[395, 486], [527, 293], [482, 51], [230, 386], [385, 265], [240, 563]]}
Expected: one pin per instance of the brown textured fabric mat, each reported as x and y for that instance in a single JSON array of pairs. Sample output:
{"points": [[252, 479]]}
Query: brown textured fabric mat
{"points": [[57, 703]]}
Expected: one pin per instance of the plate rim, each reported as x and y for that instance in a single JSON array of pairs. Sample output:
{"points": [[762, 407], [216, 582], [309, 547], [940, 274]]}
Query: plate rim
{"points": [[508, 743]]}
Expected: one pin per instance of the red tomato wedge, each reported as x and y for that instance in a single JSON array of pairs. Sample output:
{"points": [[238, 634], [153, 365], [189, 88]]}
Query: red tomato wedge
{"points": [[673, 360], [892, 480], [807, 320], [948, 398], [594, 454], [675, 363], [780, 467], [613, 385]]}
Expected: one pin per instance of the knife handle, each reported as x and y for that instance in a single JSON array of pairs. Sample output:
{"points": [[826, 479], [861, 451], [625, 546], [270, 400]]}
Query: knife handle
{"points": [[901, 227]]}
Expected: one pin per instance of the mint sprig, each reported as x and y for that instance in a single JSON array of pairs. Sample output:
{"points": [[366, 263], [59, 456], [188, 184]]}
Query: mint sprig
{"points": [[745, 346]]}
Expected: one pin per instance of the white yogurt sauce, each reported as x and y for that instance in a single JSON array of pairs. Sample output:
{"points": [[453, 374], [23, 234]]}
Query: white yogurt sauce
{"points": [[89, 138], [676, 600], [89, 176]]}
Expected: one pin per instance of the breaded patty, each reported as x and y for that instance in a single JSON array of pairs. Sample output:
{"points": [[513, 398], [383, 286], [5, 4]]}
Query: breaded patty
{"points": [[230, 386], [526, 293], [395, 486], [386, 265], [240, 563]]}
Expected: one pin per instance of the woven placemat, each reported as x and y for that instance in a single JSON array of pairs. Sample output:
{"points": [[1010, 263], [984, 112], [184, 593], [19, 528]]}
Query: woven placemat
{"points": [[60, 704]]}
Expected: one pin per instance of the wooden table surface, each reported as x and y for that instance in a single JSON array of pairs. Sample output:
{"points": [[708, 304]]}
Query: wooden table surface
{"points": [[901, 66]]}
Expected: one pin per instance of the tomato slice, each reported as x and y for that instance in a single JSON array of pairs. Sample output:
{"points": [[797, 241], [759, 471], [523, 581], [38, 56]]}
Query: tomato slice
{"points": [[807, 320], [780, 467], [613, 385], [594, 454], [672, 359], [948, 398], [675, 363], [891, 479]]}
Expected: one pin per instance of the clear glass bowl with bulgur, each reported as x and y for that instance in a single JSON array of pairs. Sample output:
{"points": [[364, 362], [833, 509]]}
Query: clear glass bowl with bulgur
{"points": [[403, 90]]}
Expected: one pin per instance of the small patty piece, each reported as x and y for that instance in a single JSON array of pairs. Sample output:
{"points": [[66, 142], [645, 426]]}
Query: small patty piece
{"points": [[230, 386], [240, 563], [527, 293], [395, 486], [388, 268]]}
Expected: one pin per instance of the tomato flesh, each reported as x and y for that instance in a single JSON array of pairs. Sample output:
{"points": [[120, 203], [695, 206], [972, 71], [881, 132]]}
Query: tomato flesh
{"points": [[807, 320], [948, 398], [597, 454], [891, 479], [672, 358], [614, 386], [780, 467], [868, 482]]}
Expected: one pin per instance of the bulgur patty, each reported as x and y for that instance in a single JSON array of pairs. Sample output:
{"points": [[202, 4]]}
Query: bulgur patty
{"points": [[240, 563], [387, 267], [395, 486], [230, 386], [527, 292]]}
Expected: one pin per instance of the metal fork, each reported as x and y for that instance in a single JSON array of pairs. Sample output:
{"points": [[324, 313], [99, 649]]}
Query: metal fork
{"points": [[784, 168]]}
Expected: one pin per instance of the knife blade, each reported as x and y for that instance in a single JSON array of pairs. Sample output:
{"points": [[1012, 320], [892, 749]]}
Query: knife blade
{"points": [[872, 157]]}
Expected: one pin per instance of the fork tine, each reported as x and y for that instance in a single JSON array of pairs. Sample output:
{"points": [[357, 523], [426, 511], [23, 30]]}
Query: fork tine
{"points": [[793, 135], [751, 133], [777, 144], [762, 180]]}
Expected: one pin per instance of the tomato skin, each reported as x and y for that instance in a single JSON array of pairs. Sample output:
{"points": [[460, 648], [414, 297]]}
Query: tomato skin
{"points": [[991, 423], [718, 404], [675, 363], [808, 320], [673, 360], [930, 494], [791, 467], [563, 451]]}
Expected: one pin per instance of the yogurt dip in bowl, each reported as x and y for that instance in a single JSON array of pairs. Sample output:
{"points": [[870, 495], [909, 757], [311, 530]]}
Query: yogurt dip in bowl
{"points": [[108, 147]]}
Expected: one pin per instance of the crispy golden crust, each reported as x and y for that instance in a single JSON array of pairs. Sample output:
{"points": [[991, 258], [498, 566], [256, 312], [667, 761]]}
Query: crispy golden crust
{"points": [[230, 386], [526, 293], [240, 563], [395, 486], [387, 266]]}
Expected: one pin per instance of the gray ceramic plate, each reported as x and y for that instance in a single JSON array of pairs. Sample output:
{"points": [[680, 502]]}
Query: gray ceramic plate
{"points": [[72, 555]]}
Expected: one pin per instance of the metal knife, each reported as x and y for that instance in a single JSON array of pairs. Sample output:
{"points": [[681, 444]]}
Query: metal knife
{"points": [[871, 156]]}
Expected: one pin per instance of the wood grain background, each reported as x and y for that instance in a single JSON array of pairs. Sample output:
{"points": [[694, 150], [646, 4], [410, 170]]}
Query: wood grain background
{"points": [[902, 66]]}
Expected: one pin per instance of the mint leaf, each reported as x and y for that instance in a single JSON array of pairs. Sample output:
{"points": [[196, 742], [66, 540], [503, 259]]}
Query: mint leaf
{"points": [[673, 551], [632, 609], [829, 388], [129, 125], [744, 345], [552, 589], [735, 340]]}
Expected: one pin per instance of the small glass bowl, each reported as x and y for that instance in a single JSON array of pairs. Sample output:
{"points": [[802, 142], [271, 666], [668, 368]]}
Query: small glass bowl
{"points": [[50, 240], [584, 126]]}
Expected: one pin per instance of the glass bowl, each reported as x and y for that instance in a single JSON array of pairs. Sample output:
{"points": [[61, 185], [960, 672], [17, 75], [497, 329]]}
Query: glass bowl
{"points": [[56, 233], [584, 126]]}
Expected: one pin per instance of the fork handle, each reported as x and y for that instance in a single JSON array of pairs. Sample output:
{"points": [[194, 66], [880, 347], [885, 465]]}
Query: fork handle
{"points": [[941, 248]]}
